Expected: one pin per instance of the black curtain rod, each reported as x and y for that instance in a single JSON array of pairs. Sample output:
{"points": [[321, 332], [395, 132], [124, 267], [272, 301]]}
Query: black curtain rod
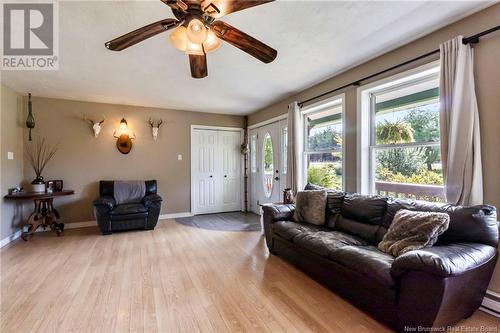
{"points": [[474, 39]]}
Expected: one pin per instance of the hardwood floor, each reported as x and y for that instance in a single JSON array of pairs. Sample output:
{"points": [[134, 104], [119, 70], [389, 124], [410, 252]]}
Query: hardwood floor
{"points": [[173, 279]]}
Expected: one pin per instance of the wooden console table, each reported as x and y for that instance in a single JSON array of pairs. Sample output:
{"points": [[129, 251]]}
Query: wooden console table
{"points": [[44, 214]]}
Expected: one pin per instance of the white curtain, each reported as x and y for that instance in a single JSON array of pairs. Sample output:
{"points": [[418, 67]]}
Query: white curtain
{"points": [[460, 137], [294, 153]]}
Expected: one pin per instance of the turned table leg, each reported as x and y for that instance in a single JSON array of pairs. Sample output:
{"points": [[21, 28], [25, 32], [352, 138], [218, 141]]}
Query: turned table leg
{"points": [[35, 220]]}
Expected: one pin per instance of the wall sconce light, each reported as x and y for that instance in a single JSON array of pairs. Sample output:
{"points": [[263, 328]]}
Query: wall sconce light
{"points": [[124, 140]]}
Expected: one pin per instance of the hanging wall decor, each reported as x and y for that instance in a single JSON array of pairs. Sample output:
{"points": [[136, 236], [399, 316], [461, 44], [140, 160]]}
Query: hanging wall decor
{"points": [[155, 127], [30, 121], [96, 125]]}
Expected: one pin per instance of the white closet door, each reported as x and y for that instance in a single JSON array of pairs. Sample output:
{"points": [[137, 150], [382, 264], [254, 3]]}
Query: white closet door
{"points": [[204, 171], [216, 171], [229, 143]]}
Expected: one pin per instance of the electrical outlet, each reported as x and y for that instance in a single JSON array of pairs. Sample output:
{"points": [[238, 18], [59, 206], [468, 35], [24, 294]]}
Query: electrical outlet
{"points": [[179, 157], [10, 155]]}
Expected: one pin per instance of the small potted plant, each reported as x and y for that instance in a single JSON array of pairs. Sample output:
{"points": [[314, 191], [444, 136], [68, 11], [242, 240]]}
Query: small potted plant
{"points": [[39, 153]]}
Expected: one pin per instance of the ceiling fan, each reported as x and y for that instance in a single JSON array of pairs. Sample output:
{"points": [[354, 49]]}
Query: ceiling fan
{"points": [[198, 31]]}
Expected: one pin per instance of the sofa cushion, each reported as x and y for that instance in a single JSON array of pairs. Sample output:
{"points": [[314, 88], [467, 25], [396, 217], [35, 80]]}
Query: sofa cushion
{"points": [[364, 208], [475, 224], [132, 208], [323, 242], [412, 231], [361, 215], [289, 229], [334, 200], [310, 207], [366, 260]]}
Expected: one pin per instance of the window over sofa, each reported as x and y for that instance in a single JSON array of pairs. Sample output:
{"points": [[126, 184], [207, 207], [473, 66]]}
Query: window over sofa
{"points": [[323, 143], [402, 154]]}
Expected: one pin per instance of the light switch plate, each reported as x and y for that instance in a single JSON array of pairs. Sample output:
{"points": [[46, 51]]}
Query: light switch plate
{"points": [[179, 157], [10, 155]]}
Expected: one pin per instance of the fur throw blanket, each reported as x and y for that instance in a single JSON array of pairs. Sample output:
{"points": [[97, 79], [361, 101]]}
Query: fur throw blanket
{"points": [[412, 230]]}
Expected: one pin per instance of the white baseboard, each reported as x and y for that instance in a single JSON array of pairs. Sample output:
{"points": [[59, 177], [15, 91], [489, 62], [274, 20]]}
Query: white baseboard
{"points": [[74, 225], [491, 303], [10, 238], [175, 215], [85, 224]]}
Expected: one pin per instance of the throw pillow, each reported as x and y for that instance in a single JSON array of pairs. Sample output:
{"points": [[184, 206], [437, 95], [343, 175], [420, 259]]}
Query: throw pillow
{"points": [[412, 230], [310, 207]]}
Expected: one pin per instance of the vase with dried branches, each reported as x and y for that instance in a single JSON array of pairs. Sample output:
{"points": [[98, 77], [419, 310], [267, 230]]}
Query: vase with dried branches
{"points": [[39, 153]]}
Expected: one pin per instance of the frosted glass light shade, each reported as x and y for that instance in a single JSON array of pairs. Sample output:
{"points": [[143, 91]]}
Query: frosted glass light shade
{"points": [[212, 43], [195, 49], [178, 38], [196, 31]]}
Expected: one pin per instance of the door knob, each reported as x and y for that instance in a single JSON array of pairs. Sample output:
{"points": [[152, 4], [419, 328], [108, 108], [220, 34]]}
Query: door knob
{"points": [[225, 176], [211, 176], [276, 178]]}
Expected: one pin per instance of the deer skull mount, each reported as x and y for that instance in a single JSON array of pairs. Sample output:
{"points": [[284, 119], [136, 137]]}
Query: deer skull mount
{"points": [[155, 127], [96, 125], [124, 140]]}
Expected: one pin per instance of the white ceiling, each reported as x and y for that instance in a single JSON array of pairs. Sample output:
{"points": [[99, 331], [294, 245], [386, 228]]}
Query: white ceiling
{"points": [[314, 39]]}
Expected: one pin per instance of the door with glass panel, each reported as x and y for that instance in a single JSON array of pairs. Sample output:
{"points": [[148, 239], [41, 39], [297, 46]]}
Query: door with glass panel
{"points": [[267, 164]]}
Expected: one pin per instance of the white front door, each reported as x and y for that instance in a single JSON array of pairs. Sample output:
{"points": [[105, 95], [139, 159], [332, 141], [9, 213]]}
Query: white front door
{"points": [[215, 171], [267, 158]]}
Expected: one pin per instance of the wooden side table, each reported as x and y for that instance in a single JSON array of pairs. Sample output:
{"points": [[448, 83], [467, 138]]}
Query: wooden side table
{"points": [[44, 214]]}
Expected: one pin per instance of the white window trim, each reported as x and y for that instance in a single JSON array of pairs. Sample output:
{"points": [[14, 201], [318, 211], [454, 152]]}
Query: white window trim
{"points": [[318, 107], [365, 158]]}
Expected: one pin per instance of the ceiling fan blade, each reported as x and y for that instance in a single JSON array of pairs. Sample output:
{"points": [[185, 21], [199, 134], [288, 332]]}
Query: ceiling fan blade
{"points": [[244, 42], [198, 65], [141, 34], [219, 8], [176, 4]]}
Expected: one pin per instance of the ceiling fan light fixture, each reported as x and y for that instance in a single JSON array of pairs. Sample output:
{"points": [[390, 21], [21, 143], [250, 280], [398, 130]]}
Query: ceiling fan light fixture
{"points": [[196, 31], [194, 49], [178, 38], [212, 43]]}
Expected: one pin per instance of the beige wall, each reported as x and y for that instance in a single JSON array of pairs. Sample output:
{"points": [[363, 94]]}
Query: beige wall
{"points": [[487, 67], [83, 160], [11, 173]]}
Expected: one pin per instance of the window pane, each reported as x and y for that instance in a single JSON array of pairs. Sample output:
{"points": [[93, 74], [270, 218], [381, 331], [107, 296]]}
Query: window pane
{"points": [[410, 114], [253, 153], [418, 167], [284, 150], [268, 161], [325, 169], [324, 130]]}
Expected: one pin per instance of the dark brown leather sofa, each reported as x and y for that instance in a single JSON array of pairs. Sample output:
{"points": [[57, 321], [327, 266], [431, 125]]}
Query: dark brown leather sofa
{"points": [[432, 287]]}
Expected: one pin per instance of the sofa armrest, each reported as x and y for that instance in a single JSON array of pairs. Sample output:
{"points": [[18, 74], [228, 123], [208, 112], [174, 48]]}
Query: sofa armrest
{"points": [[446, 260], [278, 212], [150, 199], [105, 201]]}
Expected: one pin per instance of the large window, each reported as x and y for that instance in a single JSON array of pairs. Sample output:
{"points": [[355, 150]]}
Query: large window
{"points": [[404, 147], [323, 136]]}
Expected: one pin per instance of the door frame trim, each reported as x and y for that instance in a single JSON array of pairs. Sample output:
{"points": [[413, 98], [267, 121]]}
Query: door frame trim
{"points": [[242, 160], [269, 121]]}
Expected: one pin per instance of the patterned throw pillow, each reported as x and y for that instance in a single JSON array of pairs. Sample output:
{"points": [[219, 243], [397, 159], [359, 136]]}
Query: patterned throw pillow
{"points": [[310, 207], [412, 230]]}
